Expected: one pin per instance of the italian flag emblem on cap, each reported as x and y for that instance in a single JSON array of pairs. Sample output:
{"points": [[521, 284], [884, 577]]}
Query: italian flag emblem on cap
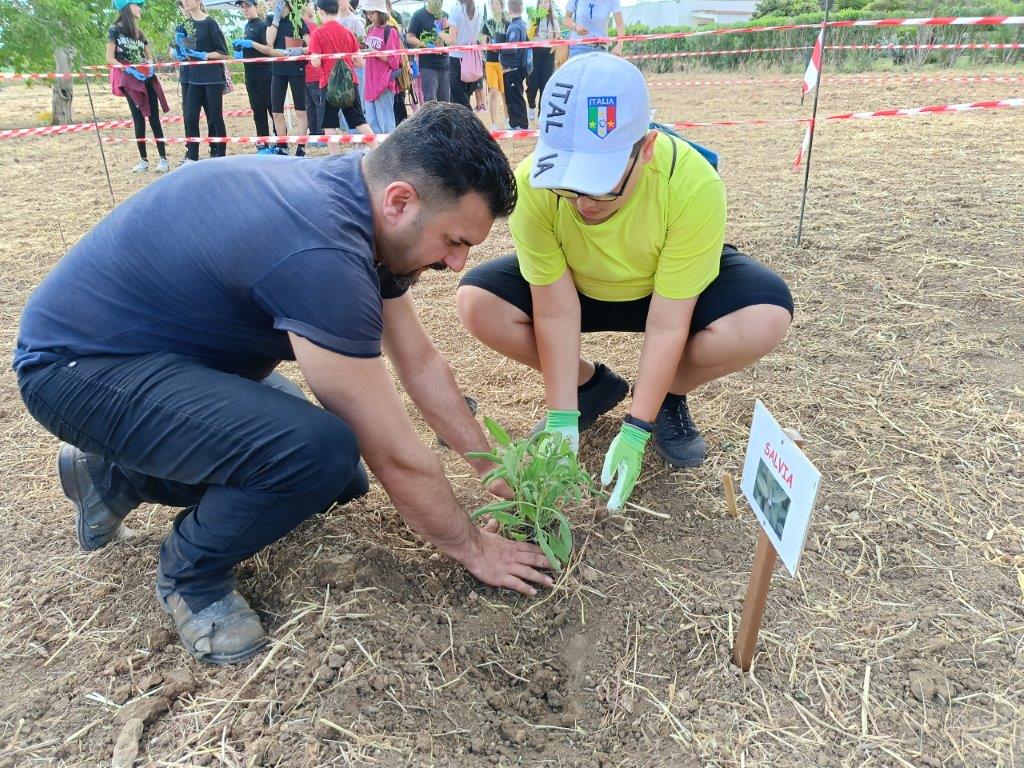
{"points": [[601, 115]]}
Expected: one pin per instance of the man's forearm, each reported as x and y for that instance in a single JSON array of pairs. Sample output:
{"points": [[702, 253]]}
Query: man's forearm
{"points": [[420, 492], [435, 392]]}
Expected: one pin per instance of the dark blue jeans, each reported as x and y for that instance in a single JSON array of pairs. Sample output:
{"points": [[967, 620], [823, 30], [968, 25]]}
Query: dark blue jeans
{"points": [[250, 461]]}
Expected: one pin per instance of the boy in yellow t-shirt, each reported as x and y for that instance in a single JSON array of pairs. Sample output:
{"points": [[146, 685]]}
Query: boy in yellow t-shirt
{"points": [[621, 228]]}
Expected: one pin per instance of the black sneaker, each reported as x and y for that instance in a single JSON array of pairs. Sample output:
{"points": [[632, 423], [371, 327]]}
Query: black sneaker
{"points": [[676, 438], [96, 523], [604, 391]]}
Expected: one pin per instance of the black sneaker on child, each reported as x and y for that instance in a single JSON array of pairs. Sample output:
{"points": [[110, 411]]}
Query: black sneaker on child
{"points": [[600, 394], [676, 438]]}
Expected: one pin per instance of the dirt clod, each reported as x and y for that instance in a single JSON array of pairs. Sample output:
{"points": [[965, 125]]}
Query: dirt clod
{"points": [[126, 748]]}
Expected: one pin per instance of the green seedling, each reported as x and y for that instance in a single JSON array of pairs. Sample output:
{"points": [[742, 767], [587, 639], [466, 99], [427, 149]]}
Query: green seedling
{"points": [[545, 478]]}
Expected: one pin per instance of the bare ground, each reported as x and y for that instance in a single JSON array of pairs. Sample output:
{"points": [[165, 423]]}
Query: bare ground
{"points": [[899, 644]]}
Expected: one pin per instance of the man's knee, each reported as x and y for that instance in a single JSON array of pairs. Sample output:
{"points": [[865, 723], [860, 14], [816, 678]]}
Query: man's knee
{"points": [[318, 458]]}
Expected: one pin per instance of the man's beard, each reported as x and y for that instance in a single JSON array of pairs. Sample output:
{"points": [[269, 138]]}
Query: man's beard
{"points": [[398, 264], [409, 279]]}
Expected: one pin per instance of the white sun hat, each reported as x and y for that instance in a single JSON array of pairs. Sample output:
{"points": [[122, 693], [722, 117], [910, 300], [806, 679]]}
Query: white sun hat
{"points": [[593, 110]]}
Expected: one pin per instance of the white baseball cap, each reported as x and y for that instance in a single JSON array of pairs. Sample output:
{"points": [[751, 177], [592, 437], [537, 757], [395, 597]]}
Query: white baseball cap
{"points": [[594, 109]]}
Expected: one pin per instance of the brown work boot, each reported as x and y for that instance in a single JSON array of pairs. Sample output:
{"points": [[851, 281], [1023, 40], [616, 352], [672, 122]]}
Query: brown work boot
{"points": [[225, 632]]}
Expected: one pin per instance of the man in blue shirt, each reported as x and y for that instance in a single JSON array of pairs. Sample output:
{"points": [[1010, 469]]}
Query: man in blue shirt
{"points": [[514, 68], [150, 347]]}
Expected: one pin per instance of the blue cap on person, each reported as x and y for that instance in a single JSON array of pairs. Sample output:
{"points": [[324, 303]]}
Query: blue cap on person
{"points": [[119, 5], [593, 110]]}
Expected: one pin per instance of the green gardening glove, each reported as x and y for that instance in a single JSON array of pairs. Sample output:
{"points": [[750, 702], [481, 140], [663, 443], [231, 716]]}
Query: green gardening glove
{"points": [[624, 458], [566, 423]]}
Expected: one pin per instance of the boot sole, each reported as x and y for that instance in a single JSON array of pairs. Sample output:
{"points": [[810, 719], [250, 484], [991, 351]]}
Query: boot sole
{"points": [[219, 659], [675, 463]]}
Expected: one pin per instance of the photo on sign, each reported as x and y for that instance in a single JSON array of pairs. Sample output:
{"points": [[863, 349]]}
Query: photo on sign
{"points": [[771, 498]]}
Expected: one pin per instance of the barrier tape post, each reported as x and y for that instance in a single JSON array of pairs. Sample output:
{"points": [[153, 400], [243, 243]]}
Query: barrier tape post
{"points": [[99, 140], [814, 117]]}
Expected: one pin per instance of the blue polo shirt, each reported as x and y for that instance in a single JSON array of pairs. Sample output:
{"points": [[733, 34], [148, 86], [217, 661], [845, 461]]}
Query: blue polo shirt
{"points": [[220, 260]]}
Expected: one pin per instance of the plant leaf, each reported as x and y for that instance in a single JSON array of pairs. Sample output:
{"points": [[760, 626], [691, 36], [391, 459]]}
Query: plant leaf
{"points": [[484, 455], [497, 431], [542, 542]]}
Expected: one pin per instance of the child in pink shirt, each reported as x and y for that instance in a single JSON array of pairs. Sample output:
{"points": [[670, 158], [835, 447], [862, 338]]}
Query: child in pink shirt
{"points": [[380, 71]]}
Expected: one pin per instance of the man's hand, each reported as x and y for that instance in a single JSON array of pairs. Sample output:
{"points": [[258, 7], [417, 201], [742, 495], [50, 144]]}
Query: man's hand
{"points": [[499, 562], [617, 49], [500, 489], [200, 55], [624, 459], [241, 43]]}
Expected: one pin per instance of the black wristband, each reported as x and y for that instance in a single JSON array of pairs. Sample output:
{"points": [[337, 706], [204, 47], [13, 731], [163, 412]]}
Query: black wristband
{"points": [[646, 426]]}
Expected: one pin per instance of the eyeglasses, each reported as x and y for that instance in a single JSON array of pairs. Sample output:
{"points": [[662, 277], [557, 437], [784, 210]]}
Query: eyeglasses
{"points": [[571, 194]]}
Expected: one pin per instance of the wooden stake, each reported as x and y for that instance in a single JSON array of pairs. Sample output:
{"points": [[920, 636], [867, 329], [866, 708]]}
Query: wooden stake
{"points": [[753, 604], [757, 590], [730, 494]]}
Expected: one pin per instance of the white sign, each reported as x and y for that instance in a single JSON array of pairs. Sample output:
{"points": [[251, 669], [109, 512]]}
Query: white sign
{"points": [[781, 485]]}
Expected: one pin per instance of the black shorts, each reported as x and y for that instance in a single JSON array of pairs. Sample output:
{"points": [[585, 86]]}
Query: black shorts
{"points": [[741, 282], [279, 85], [353, 115]]}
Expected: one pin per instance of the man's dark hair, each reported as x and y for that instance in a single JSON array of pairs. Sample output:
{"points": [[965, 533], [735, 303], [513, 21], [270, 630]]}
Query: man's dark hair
{"points": [[328, 6], [446, 147]]}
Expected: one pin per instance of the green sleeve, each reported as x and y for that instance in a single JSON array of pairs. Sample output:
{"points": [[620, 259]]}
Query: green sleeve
{"points": [[690, 259], [541, 259]]}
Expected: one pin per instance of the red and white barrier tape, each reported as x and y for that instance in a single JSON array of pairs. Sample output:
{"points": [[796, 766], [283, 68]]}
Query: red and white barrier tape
{"points": [[55, 130], [934, 21], [51, 130], [857, 79], [346, 138], [864, 47]]}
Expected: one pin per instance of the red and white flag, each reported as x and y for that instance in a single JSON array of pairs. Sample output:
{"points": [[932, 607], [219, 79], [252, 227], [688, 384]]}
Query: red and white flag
{"points": [[814, 65], [804, 146]]}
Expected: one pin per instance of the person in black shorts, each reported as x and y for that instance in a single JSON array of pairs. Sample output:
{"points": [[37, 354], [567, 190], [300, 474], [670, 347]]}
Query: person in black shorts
{"points": [[333, 37], [257, 76], [287, 75], [621, 227]]}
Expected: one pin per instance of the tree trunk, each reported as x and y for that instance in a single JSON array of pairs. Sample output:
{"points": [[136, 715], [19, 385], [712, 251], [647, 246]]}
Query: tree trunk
{"points": [[63, 88]]}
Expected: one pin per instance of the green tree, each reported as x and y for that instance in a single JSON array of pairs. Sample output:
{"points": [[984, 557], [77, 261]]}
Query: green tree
{"points": [[785, 8], [44, 35]]}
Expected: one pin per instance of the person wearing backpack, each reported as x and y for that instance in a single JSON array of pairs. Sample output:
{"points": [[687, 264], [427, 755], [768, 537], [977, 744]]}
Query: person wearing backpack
{"points": [[380, 73], [621, 227], [465, 68], [332, 37]]}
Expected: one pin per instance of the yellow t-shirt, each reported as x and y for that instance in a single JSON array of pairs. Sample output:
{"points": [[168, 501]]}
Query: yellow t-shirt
{"points": [[667, 238]]}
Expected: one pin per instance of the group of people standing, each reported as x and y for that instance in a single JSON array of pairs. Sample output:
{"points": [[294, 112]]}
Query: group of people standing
{"points": [[328, 27], [461, 76], [512, 79]]}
